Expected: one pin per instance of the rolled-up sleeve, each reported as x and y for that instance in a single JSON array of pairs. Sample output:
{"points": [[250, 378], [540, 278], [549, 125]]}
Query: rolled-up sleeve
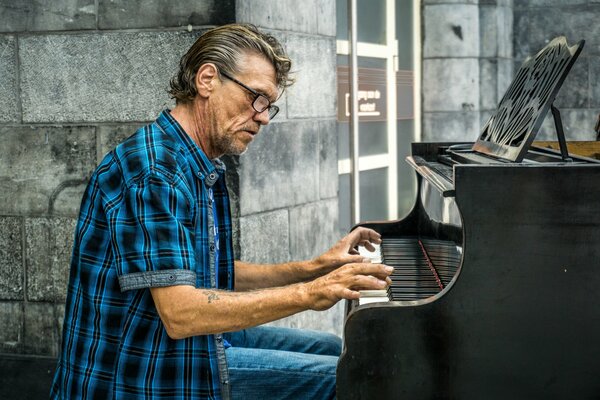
{"points": [[152, 233]]}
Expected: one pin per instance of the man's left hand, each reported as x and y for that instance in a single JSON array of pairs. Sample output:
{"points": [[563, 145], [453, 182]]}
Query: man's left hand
{"points": [[344, 251]]}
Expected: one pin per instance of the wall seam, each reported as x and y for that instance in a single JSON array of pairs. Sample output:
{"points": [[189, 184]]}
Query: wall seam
{"points": [[18, 79], [24, 283]]}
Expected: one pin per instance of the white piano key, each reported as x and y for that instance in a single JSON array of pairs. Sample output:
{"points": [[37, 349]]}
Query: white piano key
{"points": [[372, 296], [374, 256]]}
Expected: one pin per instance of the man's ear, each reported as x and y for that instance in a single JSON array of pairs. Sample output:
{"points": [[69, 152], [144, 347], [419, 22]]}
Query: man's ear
{"points": [[206, 79]]}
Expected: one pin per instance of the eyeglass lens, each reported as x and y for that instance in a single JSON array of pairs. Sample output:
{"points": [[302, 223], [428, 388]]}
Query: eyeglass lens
{"points": [[261, 103]]}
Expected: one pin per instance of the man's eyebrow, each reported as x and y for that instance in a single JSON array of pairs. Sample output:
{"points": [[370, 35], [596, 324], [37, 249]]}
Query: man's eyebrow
{"points": [[272, 99]]}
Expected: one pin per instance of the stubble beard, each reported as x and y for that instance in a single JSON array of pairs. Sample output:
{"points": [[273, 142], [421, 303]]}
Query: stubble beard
{"points": [[228, 145]]}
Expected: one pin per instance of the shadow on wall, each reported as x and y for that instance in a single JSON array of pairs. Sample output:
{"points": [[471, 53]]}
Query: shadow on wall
{"points": [[26, 377]]}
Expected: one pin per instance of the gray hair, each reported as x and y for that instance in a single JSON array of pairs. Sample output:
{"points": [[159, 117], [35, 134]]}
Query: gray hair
{"points": [[224, 46]]}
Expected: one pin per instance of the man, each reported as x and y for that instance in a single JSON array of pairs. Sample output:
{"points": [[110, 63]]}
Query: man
{"points": [[153, 286]]}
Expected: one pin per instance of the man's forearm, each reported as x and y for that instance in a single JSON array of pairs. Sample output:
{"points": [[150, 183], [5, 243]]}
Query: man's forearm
{"points": [[187, 311], [256, 276]]}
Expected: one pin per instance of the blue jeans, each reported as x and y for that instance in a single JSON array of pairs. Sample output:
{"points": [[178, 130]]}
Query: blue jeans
{"points": [[281, 363]]}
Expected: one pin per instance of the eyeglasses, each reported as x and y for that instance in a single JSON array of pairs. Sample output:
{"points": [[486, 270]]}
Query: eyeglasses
{"points": [[260, 102]]}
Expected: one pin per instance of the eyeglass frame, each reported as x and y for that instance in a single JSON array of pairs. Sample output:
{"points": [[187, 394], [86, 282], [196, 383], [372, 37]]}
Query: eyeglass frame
{"points": [[269, 107]]}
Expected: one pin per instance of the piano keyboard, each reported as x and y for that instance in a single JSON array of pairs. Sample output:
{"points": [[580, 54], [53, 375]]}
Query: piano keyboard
{"points": [[422, 268], [443, 170]]}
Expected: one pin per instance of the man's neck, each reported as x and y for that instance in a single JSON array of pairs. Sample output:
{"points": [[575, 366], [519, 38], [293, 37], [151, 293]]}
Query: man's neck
{"points": [[186, 117]]}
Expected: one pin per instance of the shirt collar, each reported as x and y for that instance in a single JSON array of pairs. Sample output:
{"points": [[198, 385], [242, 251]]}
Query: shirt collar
{"points": [[207, 170]]}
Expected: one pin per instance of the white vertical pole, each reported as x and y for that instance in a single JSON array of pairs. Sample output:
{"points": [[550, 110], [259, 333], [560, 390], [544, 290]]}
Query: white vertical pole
{"points": [[417, 68], [392, 95], [354, 173]]}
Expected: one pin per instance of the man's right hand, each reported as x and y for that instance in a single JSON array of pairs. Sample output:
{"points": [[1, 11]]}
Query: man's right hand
{"points": [[345, 283]]}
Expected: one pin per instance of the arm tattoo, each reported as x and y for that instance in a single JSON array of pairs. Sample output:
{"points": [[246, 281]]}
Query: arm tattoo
{"points": [[212, 296]]}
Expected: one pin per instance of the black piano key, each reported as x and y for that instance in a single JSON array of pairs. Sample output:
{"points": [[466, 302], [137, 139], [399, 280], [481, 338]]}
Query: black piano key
{"points": [[413, 277]]}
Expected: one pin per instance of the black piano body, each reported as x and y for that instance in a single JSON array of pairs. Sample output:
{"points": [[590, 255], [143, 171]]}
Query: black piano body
{"points": [[520, 316]]}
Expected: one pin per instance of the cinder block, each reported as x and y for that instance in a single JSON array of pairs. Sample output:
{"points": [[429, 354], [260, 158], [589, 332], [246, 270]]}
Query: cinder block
{"points": [[119, 14], [521, 26], [326, 17], [99, 77], [331, 320], [595, 84], [451, 84], [451, 31], [45, 169], [281, 167], [547, 130], [49, 244], [450, 126], [314, 93], [59, 311], [276, 14], [31, 15], [41, 330], [578, 125], [313, 229], [264, 238], [488, 31], [11, 327], [111, 135], [484, 116], [488, 83], [505, 32], [575, 23], [11, 259], [427, 2], [328, 159], [551, 3], [574, 92], [8, 79], [496, 31], [499, 3], [495, 75], [505, 76]]}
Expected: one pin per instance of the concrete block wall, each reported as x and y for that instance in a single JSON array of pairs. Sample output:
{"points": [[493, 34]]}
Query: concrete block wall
{"points": [[76, 77], [79, 76], [472, 48], [536, 23], [288, 177], [467, 65], [450, 102]]}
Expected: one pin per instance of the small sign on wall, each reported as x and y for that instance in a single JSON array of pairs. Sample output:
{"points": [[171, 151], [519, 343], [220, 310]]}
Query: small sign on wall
{"points": [[372, 94]]}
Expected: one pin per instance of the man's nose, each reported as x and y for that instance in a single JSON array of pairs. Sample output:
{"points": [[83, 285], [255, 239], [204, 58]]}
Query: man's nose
{"points": [[262, 117]]}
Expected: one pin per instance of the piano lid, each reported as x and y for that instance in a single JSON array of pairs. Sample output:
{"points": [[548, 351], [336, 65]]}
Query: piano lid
{"points": [[510, 131]]}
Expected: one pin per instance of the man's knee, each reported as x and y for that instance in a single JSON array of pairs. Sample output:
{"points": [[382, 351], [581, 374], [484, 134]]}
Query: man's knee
{"points": [[332, 344]]}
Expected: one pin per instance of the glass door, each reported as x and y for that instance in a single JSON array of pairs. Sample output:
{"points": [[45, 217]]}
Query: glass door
{"points": [[386, 110]]}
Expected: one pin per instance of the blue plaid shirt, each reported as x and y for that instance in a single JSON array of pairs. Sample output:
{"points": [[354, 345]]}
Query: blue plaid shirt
{"points": [[146, 220]]}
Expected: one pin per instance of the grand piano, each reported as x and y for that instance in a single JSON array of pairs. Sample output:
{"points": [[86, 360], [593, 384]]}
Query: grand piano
{"points": [[496, 288]]}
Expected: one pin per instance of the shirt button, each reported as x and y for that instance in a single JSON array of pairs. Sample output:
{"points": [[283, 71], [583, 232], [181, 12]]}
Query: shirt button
{"points": [[212, 175], [212, 247]]}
